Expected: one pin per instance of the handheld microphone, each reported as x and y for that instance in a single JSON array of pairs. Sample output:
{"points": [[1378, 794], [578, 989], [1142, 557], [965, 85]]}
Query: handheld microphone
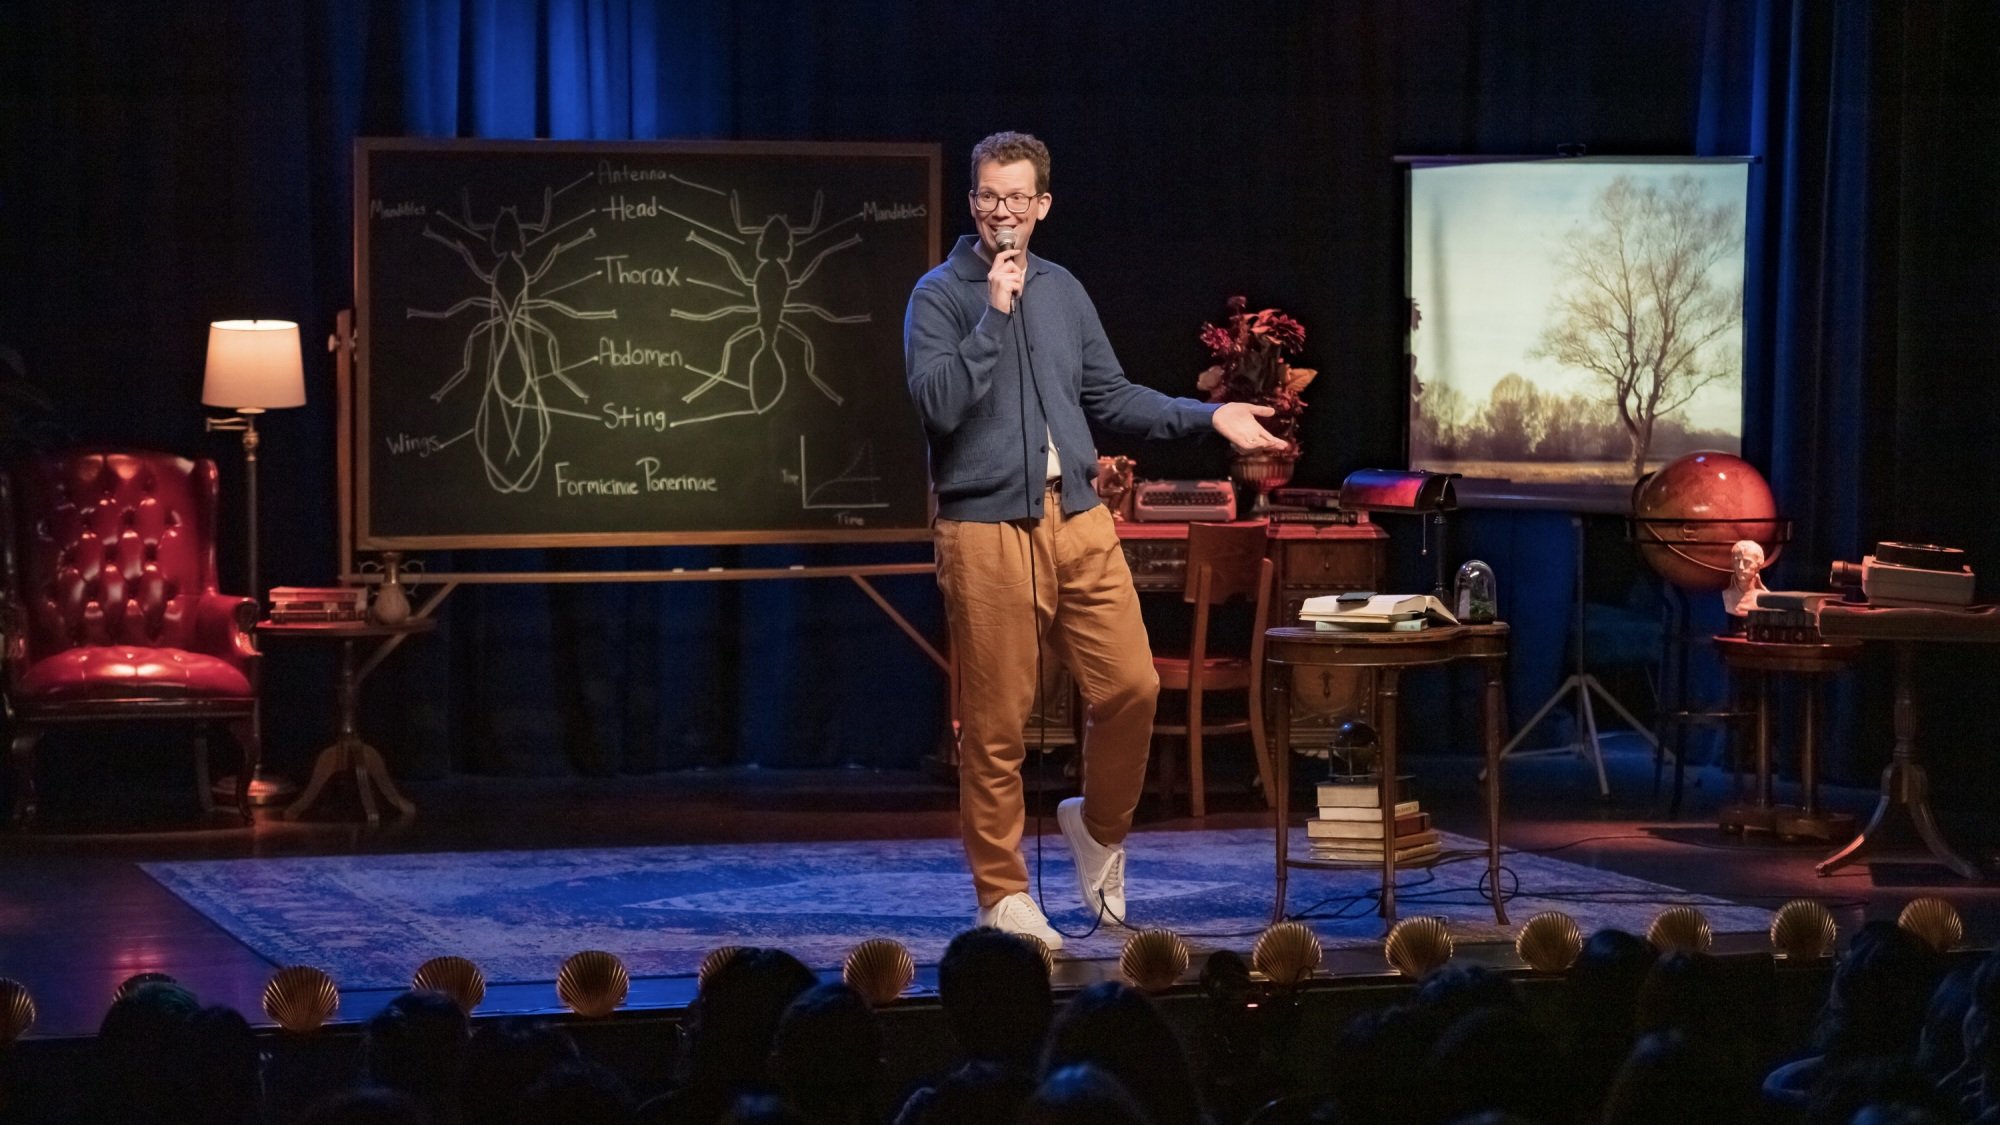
{"points": [[1004, 239]]}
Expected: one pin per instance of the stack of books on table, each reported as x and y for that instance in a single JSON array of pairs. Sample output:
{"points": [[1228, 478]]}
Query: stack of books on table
{"points": [[1348, 828], [292, 604], [1364, 612], [1785, 617]]}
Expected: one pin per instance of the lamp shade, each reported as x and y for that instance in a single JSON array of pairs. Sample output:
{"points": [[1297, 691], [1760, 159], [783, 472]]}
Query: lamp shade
{"points": [[254, 365], [1398, 490]]}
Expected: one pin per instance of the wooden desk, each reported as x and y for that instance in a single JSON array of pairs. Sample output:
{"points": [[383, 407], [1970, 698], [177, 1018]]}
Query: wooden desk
{"points": [[1309, 560], [1289, 649]]}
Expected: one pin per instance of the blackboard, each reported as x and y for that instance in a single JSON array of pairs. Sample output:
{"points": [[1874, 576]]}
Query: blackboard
{"points": [[576, 344]]}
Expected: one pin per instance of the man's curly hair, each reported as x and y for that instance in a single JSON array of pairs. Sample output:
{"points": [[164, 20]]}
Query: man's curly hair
{"points": [[1009, 148]]}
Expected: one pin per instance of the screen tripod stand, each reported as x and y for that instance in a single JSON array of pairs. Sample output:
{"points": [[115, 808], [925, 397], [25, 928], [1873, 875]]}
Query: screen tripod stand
{"points": [[1580, 685]]}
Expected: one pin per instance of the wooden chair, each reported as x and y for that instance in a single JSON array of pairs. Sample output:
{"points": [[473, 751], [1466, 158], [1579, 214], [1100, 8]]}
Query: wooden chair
{"points": [[1225, 561]]}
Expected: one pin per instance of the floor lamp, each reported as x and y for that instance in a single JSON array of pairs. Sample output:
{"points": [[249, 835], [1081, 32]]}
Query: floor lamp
{"points": [[253, 366]]}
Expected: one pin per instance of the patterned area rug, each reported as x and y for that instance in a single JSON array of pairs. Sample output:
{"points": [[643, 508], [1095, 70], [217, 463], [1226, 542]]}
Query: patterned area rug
{"points": [[370, 920]]}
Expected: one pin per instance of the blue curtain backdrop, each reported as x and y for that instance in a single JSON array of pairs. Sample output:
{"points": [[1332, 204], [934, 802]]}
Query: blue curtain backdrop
{"points": [[185, 164]]}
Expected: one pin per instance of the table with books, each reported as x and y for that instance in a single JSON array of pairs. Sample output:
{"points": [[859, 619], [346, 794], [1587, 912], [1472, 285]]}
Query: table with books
{"points": [[1354, 825], [298, 620]]}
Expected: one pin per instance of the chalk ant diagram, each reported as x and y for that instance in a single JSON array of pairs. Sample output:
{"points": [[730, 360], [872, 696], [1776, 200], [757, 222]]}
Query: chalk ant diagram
{"points": [[760, 257], [512, 427], [854, 486]]}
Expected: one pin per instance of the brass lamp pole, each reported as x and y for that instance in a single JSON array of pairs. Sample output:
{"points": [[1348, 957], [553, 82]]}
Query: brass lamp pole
{"points": [[253, 366]]}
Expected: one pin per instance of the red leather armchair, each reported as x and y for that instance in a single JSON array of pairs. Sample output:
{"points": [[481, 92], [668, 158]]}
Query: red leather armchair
{"points": [[108, 605]]}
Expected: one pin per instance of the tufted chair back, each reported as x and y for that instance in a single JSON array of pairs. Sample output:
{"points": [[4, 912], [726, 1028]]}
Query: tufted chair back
{"points": [[111, 548], [108, 606]]}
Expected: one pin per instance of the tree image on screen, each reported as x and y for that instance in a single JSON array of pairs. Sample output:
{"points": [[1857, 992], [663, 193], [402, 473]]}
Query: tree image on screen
{"points": [[1642, 309], [1574, 322]]}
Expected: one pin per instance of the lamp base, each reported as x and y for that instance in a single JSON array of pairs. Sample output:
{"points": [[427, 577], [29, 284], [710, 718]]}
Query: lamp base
{"points": [[266, 789]]}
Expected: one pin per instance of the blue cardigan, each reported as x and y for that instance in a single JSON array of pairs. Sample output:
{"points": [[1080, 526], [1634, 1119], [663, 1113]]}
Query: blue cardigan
{"points": [[986, 424]]}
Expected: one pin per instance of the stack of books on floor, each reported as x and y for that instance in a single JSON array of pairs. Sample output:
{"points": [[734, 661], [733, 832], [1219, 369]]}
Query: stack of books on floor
{"points": [[1348, 828]]}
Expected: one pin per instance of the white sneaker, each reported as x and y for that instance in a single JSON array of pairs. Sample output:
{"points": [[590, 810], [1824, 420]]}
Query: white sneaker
{"points": [[1018, 914], [1100, 868]]}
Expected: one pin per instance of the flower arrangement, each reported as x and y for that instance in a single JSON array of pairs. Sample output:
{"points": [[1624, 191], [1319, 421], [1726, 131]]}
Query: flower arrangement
{"points": [[1249, 350]]}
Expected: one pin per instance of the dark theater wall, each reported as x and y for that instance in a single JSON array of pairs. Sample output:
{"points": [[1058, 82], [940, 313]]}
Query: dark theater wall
{"points": [[172, 164]]}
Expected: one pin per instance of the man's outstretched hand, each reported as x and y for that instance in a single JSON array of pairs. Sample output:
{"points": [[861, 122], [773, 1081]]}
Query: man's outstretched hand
{"points": [[1237, 421]]}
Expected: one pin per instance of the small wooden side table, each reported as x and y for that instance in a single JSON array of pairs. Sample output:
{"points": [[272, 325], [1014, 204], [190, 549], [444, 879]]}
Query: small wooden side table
{"points": [[348, 751], [1291, 649], [1906, 787], [1814, 662]]}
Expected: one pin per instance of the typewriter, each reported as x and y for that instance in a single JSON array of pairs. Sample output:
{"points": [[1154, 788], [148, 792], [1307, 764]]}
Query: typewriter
{"points": [[1184, 501]]}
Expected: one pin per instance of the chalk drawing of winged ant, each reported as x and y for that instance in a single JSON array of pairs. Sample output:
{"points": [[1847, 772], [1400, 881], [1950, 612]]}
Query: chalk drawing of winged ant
{"points": [[768, 283], [511, 430]]}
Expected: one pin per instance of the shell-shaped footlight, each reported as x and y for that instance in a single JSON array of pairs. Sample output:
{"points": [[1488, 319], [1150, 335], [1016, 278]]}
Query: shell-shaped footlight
{"points": [[593, 983], [17, 1010], [879, 969], [1287, 953], [1680, 929], [1549, 942], [1802, 930], [1154, 959], [133, 983], [1932, 921], [715, 959], [1042, 950], [456, 977], [1415, 946], [301, 998]]}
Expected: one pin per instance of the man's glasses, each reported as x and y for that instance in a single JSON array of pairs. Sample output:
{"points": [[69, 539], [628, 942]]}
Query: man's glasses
{"points": [[985, 201]]}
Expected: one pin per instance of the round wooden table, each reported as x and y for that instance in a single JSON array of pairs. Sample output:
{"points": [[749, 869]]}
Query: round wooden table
{"points": [[1814, 661], [1290, 650], [348, 751]]}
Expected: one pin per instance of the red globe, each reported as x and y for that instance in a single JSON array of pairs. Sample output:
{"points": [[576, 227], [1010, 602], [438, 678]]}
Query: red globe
{"points": [[1689, 514]]}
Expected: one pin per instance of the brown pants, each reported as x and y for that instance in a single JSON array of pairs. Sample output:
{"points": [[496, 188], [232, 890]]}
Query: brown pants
{"points": [[1085, 605]]}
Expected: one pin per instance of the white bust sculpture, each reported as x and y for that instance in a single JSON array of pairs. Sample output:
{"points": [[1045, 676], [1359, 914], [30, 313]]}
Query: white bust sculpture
{"points": [[1746, 558]]}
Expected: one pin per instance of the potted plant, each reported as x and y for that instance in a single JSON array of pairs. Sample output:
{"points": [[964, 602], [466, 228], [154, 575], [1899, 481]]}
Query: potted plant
{"points": [[1249, 350]]}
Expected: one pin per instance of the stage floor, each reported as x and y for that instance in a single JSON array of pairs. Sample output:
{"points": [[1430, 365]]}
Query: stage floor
{"points": [[78, 913]]}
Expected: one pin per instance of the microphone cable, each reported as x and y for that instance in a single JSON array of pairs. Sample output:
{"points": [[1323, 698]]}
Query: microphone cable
{"points": [[1027, 371]]}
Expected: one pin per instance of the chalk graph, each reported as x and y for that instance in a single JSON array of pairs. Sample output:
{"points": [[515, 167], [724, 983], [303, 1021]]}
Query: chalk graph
{"points": [[855, 485]]}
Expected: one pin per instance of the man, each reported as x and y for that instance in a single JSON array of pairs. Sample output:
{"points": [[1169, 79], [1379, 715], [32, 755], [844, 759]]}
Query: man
{"points": [[1008, 365]]}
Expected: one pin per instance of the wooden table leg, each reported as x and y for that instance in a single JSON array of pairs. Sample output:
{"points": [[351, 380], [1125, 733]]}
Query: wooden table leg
{"points": [[1812, 822], [1905, 785], [1386, 734], [1280, 701], [1489, 733], [1758, 813], [331, 760], [349, 752], [378, 772], [358, 758]]}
